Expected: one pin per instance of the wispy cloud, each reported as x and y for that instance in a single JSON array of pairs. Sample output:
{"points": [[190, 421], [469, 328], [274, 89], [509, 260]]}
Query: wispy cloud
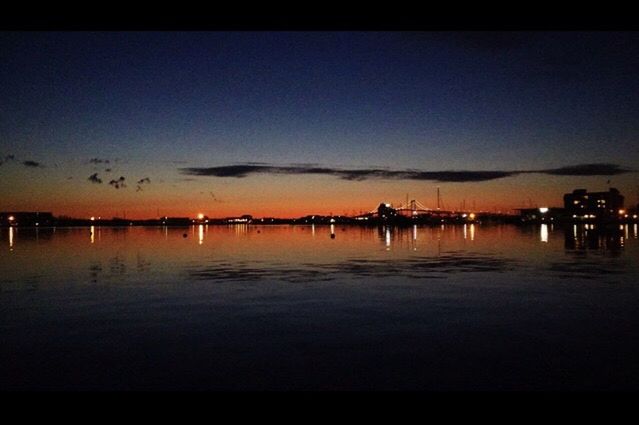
{"points": [[99, 161], [93, 178], [26, 163], [244, 170], [119, 183], [145, 180], [7, 158], [215, 198], [587, 170]]}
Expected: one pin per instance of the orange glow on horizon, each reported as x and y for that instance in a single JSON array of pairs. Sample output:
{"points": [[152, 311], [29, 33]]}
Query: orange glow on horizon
{"points": [[139, 212], [275, 197]]}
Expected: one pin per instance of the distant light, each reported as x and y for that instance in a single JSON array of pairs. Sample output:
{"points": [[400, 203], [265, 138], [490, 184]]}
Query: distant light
{"points": [[543, 210], [92, 218], [471, 216], [200, 216], [464, 215], [388, 205], [621, 212], [11, 218], [634, 216]]}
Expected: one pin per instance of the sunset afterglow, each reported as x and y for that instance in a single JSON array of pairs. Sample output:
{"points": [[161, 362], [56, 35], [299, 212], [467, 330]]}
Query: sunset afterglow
{"points": [[145, 125]]}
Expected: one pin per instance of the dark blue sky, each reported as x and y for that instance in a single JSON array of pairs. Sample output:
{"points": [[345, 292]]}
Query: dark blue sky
{"points": [[429, 101]]}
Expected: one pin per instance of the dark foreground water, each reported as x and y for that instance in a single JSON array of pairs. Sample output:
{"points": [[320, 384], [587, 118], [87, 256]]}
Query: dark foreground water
{"points": [[289, 307]]}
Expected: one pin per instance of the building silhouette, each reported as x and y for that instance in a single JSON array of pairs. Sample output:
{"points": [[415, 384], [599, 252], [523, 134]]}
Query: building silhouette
{"points": [[176, 221], [22, 218], [581, 204], [543, 214], [386, 212]]}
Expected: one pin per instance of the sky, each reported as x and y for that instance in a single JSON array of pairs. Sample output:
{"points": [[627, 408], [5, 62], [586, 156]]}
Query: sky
{"points": [[287, 124]]}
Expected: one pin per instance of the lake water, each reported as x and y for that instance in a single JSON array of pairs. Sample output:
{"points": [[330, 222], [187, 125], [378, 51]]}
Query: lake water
{"points": [[472, 307]]}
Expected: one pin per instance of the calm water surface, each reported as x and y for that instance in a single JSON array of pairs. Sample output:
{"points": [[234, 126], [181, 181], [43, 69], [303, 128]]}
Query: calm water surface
{"points": [[289, 307]]}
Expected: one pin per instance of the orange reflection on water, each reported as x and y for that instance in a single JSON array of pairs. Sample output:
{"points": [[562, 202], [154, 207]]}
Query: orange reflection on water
{"points": [[167, 250]]}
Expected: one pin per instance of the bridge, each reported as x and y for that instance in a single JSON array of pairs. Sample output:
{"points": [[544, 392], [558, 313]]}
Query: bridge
{"points": [[412, 209]]}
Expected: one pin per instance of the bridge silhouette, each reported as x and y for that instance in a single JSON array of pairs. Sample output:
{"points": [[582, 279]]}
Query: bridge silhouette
{"points": [[414, 208]]}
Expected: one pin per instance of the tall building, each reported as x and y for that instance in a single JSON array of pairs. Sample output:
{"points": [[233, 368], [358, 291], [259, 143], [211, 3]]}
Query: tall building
{"points": [[581, 204], [386, 212]]}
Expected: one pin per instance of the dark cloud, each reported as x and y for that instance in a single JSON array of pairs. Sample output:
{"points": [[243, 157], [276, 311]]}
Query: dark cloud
{"points": [[226, 170], [33, 164], [243, 170], [119, 183], [140, 182], [356, 175], [99, 161], [588, 170], [7, 158], [93, 178]]}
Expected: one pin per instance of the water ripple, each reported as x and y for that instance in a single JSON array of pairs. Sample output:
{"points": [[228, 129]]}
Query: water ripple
{"points": [[414, 268], [585, 269]]}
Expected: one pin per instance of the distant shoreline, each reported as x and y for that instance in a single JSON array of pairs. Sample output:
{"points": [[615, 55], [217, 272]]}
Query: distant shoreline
{"points": [[368, 225]]}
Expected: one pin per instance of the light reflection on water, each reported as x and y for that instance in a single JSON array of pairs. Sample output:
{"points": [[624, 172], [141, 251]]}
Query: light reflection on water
{"points": [[544, 233], [320, 307], [173, 250]]}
